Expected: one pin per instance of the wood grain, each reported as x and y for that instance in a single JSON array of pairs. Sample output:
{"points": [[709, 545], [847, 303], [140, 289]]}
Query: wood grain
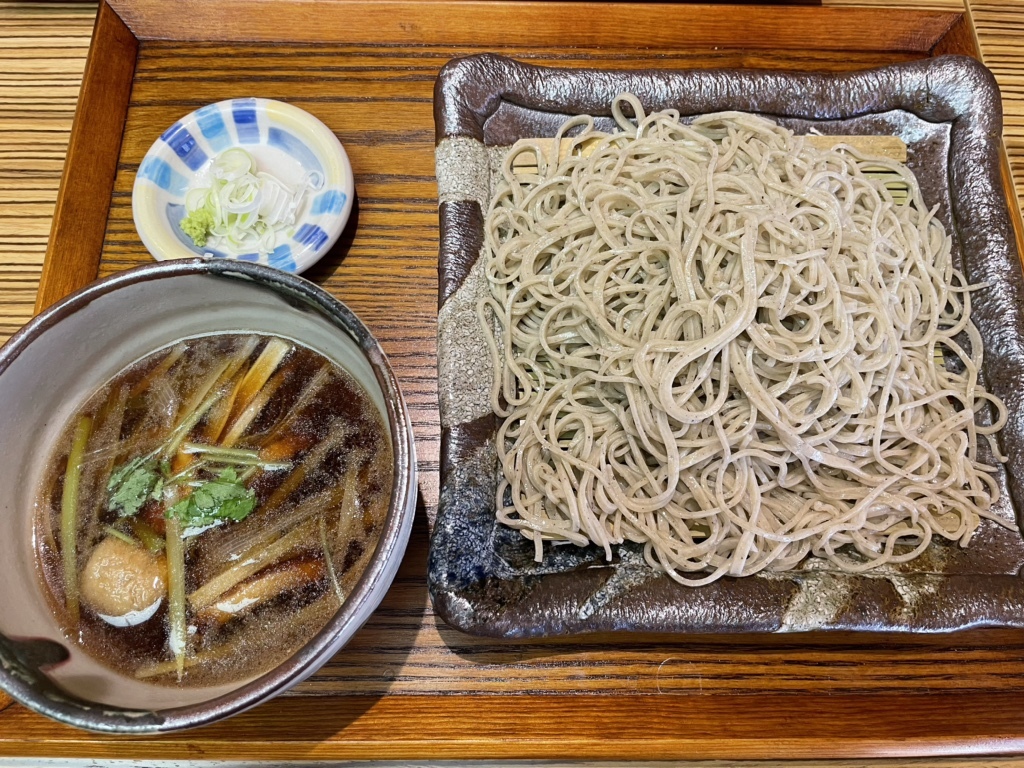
{"points": [[529, 25], [42, 57], [83, 202], [560, 728], [387, 695]]}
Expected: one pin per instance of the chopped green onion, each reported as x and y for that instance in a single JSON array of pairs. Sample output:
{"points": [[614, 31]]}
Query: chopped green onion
{"points": [[69, 518], [243, 210], [177, 637], [241, 457], [112, 531]]}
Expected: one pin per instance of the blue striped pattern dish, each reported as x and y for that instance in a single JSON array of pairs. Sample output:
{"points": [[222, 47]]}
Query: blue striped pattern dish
{"points": [[284, 141]]}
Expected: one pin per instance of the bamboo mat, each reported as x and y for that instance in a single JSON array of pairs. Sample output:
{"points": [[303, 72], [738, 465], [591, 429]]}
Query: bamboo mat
{"points": [[42, 56]]}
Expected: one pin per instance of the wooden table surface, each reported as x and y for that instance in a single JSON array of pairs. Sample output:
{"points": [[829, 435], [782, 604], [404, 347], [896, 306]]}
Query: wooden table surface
{"points": [[43, 46]]}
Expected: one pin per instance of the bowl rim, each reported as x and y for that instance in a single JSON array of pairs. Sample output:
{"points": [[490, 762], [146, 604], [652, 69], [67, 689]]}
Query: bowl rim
{"points": [[379, 573], [314, 125]]}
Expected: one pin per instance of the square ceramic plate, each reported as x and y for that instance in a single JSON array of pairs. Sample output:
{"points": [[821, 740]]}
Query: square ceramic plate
{"points": [[482, 575]]}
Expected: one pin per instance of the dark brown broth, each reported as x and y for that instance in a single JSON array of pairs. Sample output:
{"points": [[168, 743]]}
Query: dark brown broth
{"points": [[258, 638]]}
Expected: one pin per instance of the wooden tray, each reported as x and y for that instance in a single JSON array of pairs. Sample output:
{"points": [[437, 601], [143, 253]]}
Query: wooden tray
{"points": [[408, 686]]}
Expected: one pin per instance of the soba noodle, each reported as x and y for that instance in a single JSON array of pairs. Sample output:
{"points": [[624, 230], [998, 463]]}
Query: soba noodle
{"points": [[732, 348]]}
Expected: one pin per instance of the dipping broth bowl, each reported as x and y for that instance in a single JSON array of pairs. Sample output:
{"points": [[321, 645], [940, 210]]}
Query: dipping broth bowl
{"points": [[53, 365]]}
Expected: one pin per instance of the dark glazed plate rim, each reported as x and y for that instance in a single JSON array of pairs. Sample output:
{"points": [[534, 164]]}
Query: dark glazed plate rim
{"points": [[475, 588]]}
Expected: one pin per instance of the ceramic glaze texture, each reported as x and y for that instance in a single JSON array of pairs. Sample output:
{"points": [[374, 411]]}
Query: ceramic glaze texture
{"points": [[483, 577], [56, 362], [284, 141]]}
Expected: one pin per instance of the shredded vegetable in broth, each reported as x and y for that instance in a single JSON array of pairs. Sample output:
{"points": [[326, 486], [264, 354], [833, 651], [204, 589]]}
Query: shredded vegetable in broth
{"points": [[210, 509], [732, 348]]}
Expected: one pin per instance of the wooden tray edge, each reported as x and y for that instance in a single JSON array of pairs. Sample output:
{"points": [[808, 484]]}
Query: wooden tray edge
{"points": [[668, 727], [487, 22], [83, 202]]}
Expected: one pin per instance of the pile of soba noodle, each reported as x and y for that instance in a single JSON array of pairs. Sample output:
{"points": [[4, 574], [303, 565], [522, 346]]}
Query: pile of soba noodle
{"points": [[728, 346]]}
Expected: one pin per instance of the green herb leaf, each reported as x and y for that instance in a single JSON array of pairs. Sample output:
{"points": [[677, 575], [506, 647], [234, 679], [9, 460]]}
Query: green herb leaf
{"points": [[223, 498], [133, 485]]}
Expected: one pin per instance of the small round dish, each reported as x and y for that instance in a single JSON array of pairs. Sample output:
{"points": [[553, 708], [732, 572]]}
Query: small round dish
{"points": [[284, 141]]}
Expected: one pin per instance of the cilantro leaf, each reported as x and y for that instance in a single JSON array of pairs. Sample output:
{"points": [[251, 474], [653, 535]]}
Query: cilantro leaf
{"points": [[133, 485], [220, 499]]}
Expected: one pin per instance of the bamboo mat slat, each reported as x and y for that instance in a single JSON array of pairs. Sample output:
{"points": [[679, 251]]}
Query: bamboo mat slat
{"points": [[1000, 28], [42, 57]]}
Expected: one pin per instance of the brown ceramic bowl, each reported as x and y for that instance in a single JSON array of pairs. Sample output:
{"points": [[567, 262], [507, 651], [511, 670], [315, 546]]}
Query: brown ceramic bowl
{"points": [[57, 361]]}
